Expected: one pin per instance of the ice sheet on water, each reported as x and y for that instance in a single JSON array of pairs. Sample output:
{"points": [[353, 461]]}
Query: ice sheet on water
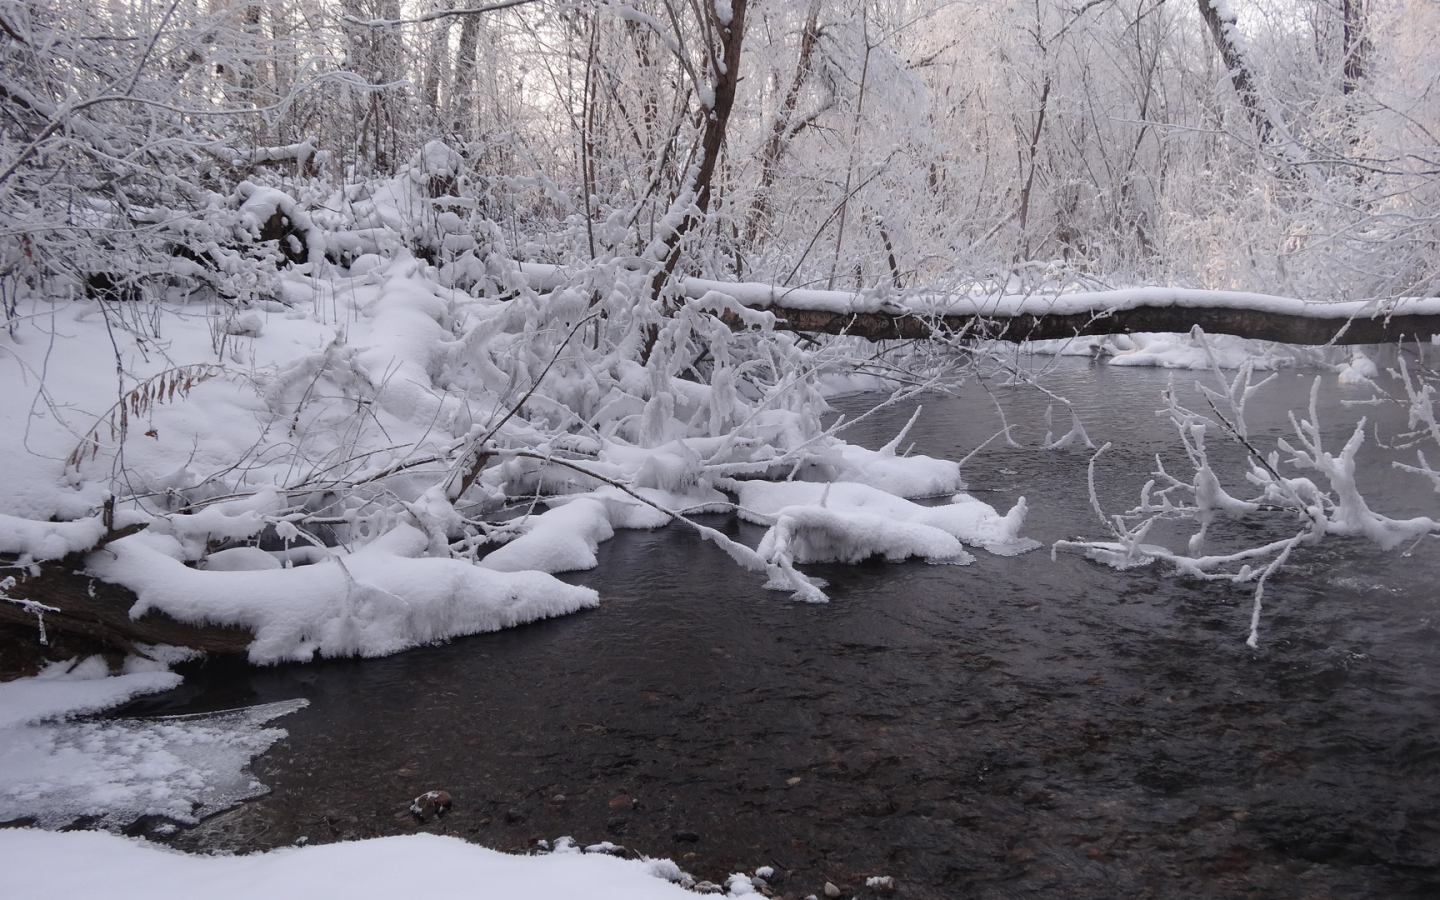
{"points": [[117, 770], [76, 688]]}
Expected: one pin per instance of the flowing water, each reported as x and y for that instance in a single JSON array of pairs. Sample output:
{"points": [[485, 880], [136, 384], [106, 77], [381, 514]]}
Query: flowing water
{"points": [[1019, 727]]}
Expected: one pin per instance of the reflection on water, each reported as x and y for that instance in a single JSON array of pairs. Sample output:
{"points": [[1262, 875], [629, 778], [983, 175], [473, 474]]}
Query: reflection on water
{"points": [[1017, 727]]}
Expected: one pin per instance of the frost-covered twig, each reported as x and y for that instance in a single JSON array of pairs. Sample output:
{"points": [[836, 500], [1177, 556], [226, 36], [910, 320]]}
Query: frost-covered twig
{"points": [[35, 608], [1334, 506]]}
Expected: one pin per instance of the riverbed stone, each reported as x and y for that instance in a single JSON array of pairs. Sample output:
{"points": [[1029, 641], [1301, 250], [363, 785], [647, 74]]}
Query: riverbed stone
{"points": [[431, 805]]}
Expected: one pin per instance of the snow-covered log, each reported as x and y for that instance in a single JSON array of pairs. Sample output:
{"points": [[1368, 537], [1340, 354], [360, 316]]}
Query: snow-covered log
{"points": [[78, 605], [880, 316], [1038, 317]]}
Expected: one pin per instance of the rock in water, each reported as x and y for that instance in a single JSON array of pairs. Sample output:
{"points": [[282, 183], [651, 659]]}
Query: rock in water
{"points": [[430, 805]]}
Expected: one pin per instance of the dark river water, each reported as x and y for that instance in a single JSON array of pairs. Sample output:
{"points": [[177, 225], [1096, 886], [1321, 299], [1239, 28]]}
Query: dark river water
{"points": [[1019, 727]]}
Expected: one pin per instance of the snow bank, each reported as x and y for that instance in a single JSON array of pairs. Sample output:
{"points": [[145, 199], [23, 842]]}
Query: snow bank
{"points": [[378, 600], [91, 864]]}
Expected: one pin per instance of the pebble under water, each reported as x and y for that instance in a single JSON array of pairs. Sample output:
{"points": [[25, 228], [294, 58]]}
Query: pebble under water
{"points": [[1019, 727]]}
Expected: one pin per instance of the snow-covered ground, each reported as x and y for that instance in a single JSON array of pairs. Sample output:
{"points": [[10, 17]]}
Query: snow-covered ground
{"points": [[95, 864]]}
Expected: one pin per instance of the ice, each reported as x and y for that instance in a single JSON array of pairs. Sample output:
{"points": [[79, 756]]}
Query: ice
{"points": [[114, 771], [56, 770], [378, 600], [75, 688]]}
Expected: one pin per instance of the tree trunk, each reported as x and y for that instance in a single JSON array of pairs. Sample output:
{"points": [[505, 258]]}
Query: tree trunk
{"points": [[1241, 78], [1253, 324], [462, 99], [1171, 310], [782, 128], [725, 67], [1354, 44]]}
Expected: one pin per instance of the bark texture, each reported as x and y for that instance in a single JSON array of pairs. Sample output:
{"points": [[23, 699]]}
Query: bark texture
{"points": [[1245, 323], [94, 617]]}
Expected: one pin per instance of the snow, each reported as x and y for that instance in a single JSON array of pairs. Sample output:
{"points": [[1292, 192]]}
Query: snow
{"points": [[323, 462], [1183, 351], [1360, 370], [964, 518], [380, 599], [739, 884], [240, 559], [848, 522], [253, 424], [48, 540], [563, 539], [82, 863], [768, 296], [914, 476]]}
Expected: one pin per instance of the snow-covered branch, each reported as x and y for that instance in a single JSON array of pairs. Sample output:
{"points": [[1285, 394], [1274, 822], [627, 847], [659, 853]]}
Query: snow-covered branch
{"points": [[1331, 505]]}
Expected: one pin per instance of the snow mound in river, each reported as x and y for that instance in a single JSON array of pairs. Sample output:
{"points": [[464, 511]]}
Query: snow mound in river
{"points": [[848, 522]]}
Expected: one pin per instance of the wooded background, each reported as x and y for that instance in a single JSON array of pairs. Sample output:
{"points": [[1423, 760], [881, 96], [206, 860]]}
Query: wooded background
{"points": [[1286, 146]]}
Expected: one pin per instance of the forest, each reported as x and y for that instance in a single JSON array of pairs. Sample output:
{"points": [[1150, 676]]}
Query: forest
{"points": [[869, 146]]}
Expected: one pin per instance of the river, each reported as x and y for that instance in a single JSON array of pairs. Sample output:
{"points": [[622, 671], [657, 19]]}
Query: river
{"points": [[1019, 727]]}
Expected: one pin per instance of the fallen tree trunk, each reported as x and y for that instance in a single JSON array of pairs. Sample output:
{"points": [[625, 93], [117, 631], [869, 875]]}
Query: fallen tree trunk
{"points": [[1036, 317], [1254, 324], [94, 616]]}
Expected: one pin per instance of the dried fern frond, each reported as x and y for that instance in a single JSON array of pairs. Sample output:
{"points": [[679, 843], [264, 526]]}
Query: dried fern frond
{"points": [[138, 401]]}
